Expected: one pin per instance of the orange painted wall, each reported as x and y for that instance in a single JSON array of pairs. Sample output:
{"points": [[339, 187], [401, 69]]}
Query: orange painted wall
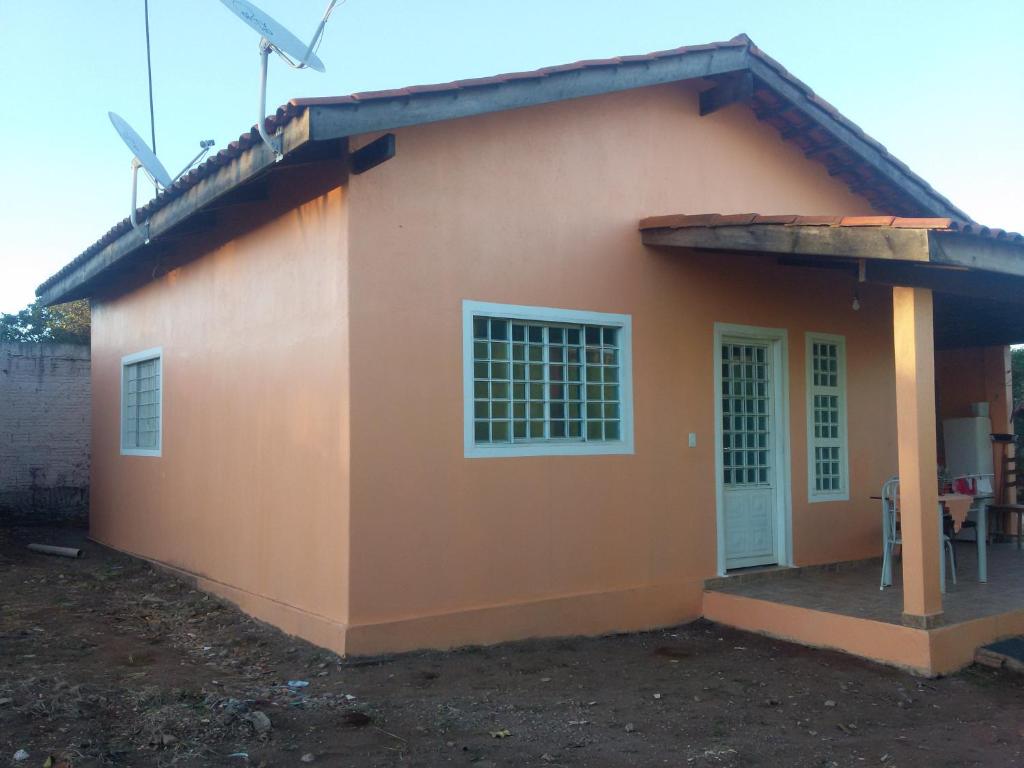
{"points": [[975, 374], [313, 464], [540, 207], [251, 492]]}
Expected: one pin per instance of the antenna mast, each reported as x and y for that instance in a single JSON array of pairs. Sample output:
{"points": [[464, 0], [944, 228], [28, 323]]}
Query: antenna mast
{"points": [[149, 73]]}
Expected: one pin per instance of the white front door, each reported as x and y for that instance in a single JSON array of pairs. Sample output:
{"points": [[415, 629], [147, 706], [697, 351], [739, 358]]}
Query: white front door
{"points": [[748, 442]]}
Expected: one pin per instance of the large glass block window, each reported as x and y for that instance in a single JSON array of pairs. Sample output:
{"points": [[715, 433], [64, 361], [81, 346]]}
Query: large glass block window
{"points": [[746, 414], [140, 403], [826, 418], [547, 382]]}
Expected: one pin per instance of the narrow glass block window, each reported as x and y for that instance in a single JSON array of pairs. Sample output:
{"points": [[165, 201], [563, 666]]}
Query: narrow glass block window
{"points": [[547, 383], [826, 418], [746, 414], [141, 403]]}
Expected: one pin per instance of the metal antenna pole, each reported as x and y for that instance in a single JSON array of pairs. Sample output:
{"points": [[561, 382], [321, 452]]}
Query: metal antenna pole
{"points": [[149, 72], [274, 142]]}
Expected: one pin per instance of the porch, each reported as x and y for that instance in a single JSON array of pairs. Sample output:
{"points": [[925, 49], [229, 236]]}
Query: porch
{"points": [[840, 606], [957, 302]]}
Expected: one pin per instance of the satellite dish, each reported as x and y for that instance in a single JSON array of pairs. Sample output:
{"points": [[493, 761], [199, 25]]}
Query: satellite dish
{"points": [[143, 157], [143, 154], [275, 37]]}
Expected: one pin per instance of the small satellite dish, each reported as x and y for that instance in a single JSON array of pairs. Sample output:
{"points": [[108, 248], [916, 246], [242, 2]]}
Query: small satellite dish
{"points": [[275, 37], [143, 154], [144, 158]]}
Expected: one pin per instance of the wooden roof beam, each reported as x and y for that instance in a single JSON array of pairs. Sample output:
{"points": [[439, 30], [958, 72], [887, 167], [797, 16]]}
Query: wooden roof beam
{"points": [[847, 242]]}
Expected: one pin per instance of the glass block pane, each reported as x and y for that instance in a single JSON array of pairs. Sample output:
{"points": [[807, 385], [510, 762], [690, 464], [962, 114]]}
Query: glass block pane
{"points": [[529, 381]]}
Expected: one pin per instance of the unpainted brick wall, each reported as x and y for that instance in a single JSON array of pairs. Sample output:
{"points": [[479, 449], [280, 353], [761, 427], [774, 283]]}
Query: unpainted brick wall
{"points": [[44, 432]]}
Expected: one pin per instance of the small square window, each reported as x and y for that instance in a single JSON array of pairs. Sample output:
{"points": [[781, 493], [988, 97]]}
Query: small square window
{"points": [[142, 403]]}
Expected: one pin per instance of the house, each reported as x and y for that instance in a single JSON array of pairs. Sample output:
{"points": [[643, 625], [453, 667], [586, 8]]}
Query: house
{"points": [[549, 353]]}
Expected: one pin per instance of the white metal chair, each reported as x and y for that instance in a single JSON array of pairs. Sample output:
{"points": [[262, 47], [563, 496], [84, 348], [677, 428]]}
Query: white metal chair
{"points": [[892, 538]]}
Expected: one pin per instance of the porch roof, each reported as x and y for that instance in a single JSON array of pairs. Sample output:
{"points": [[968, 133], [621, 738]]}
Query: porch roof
{"points": [[976, 272]]}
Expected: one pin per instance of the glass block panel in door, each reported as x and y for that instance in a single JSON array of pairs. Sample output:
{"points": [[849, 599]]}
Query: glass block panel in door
{"points": [[746, 414]]}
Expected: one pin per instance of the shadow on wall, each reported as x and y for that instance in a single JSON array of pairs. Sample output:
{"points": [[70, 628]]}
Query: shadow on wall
{"points": [[44, 506]]}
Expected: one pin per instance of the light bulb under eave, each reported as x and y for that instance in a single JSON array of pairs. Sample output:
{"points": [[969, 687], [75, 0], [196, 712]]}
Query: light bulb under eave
{"points": [[856, 302]]}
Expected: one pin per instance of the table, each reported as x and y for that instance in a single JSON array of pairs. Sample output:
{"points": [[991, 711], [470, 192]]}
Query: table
{"points": [[981, 532], [957, 505]]}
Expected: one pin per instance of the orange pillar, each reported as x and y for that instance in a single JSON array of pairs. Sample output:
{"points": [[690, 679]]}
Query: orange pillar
{"points": [[915, 421]]}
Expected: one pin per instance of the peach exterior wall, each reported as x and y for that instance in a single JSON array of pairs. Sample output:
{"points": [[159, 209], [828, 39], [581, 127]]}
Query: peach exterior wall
{"points": [[251, 492], [977, 374], [540, 207]]}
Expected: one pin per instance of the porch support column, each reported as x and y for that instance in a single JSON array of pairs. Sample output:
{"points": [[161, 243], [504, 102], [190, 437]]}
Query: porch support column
{"points": [[915, 422]]}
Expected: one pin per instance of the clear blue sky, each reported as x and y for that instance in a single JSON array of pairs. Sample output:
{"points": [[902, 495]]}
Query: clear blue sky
{"points": [[940, 83]]}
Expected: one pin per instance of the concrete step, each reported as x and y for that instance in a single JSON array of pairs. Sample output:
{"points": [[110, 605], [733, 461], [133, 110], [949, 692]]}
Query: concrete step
{"points": [[1005, 654]]}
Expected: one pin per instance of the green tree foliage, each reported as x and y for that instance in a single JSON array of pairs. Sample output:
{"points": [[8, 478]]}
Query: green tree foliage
{"points": [[62, 324]]}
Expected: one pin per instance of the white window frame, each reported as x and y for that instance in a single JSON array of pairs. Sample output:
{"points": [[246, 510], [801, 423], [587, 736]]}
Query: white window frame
{"points": [[156, 353], [557, 447], [813, 494]]}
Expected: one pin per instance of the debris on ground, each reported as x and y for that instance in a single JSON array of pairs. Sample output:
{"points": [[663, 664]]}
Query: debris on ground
{"points": [[105, 661]]}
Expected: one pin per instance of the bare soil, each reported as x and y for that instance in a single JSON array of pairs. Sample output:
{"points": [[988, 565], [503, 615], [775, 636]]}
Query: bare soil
{"points": [[105, 661]]}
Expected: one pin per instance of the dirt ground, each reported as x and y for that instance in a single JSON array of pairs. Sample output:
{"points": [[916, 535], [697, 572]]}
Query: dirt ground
{"points": [[104, 661]]}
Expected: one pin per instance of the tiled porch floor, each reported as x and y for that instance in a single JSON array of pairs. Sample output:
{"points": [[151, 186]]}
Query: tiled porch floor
{"points": [[852, 589]]}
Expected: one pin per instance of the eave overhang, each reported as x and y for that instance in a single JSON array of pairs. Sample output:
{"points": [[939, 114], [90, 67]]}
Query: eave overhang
{"points": [[775, 95]]}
